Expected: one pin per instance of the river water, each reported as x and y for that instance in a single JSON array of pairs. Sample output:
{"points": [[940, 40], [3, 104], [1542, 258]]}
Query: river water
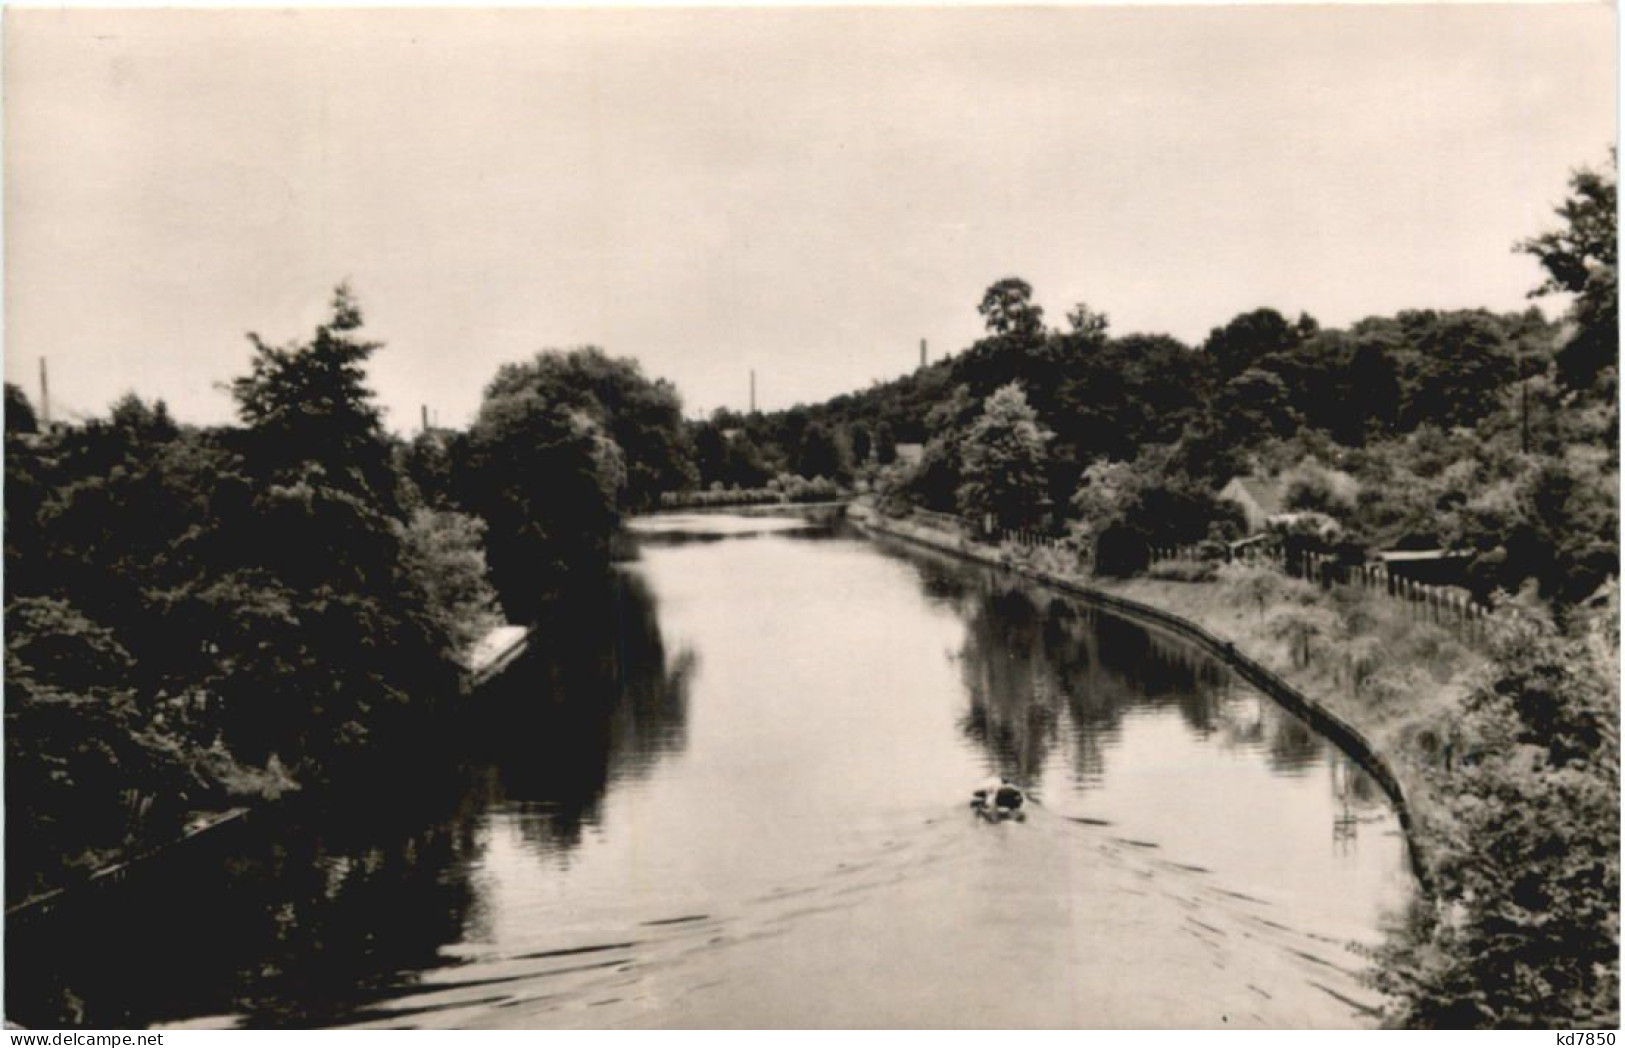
{"points": [[733, 792]]}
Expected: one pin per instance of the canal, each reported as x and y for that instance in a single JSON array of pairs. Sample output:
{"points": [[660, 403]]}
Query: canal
{"points": [[732, 792]]}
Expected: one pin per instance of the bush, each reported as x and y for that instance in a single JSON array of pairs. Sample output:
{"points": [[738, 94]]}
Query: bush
{"points": [[1184, 571], [1311, 486], [1525, 930]]}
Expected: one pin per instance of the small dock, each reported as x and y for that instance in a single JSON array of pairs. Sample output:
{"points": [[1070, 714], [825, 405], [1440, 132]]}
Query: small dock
{"points": [[495, 652]]}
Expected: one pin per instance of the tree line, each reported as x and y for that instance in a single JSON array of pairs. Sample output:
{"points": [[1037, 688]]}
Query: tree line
{"points": [[1493, 436], [1490, 434], [195, 615]]}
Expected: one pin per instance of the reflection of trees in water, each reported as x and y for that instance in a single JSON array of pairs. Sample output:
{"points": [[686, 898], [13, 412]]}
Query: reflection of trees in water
{"points": [[1013, 691], [302, 916], [1354, 787], [596, 700], [1251, 722], [297, 919], [1293, 745], [945, 579], [1028, 653]]}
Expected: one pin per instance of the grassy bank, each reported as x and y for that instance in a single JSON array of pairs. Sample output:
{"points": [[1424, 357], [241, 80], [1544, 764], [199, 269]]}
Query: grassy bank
{"points": [[1367, 660], [1501, 750]]}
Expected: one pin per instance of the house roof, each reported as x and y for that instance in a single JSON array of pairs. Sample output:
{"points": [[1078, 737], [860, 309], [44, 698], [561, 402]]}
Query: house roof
{"points": [[1266, 494], [1405, 556]]}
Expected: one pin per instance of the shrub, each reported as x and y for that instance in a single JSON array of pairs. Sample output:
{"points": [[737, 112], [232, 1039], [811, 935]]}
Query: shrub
{"points": [[1315, 488], [1184, 571], [1525, 930]]}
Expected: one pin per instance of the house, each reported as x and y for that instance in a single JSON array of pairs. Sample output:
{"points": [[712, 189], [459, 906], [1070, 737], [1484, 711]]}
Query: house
{"points": [[1430, 567], [910, 454], [1260, 498]]}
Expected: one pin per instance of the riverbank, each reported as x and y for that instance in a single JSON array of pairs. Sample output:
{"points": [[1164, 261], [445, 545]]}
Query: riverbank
{"points": [[489, 657], [1362, 670]]}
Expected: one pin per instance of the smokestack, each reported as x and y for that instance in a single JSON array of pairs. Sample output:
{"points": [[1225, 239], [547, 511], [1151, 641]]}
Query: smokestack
{"points": [[922, 352], [44, 395], [753, 391], [425, 418]]}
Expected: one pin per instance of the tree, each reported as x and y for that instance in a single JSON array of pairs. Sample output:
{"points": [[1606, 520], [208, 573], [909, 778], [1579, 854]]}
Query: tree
{"points": [[860, 442], [445, 550], [308, 405], [819, 454], [1582, 259], [1460, 368], [77, 746], [1254, 404], [1249, 338], [307, 568], [548, 480], [1523, 927], [745, 464], [429, 461], [1314, 488], [1087, 324], [20, 416], [144, 423], [885, 443], [643, 417], [1005, 462], [1373, 389], [1009, 310], [710, 453]]}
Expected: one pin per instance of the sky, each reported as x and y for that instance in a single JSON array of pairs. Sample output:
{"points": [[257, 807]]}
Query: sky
{"points": [[805, 193]]}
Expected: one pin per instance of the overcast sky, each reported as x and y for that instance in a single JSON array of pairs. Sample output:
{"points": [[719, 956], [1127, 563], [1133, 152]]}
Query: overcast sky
{"points": [[806, 193]]}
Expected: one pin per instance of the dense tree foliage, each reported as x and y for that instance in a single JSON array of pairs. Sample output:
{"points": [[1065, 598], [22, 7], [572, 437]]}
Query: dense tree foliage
{"points": [[1525, 931], [1490, 437], [196, 613], [548, 481], [1581, 258], [642, 417], [1009, 309], [192, 613], [20, 417], [564, 445], [1004, 463]]}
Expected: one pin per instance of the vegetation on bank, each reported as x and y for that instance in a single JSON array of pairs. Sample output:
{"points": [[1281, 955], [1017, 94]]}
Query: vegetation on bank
{"points": [[198, 615], [1508, 751], [785, 488], [1491, 437], [1505, 744], [193, 613]]}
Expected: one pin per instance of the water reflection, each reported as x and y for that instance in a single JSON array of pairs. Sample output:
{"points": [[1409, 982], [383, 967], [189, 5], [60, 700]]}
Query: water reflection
{"points": [[1030, 654], [1057, 692], [310, 926], [596, 699], [732, 781], [332, 906]]}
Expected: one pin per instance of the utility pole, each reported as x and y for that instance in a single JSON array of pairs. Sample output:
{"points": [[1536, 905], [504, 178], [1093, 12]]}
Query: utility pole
{"points": [[753, 391], [44, 395]]}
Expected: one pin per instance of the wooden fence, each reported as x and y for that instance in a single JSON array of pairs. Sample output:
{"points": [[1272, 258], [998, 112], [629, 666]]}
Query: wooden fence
{"points": [[1441, 605]]}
